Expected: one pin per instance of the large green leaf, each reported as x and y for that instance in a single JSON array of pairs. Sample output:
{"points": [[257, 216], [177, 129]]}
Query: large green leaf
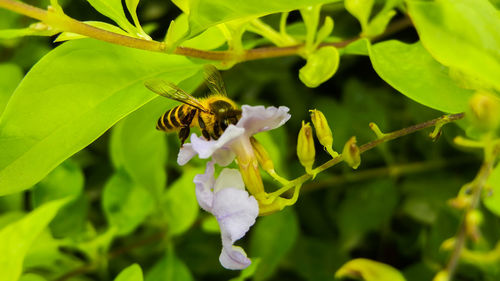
{"points": [[461, 34], [64, 181], [204, 14], [272, 238], [17, 237], [179, 203], [125, 203], [170, 267], [131, 273], [143, 158], [411, 70], [378, 198], [10, 76], [69, 98], [31, 277]]}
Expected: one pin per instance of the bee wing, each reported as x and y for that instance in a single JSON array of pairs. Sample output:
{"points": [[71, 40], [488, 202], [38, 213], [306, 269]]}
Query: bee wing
{"points": [[214, 80], [171, 91]]}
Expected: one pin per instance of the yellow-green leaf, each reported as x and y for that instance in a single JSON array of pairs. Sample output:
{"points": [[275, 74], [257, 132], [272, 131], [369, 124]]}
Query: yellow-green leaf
{"points": [[369, 270]]}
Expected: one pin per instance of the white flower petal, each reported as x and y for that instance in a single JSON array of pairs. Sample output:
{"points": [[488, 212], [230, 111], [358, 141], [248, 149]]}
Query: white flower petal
{"points": [[234, 257], [204, 185], [235, 211], [223, 156], [229, 178], [205, 148], [257, 119], [185, 154]]}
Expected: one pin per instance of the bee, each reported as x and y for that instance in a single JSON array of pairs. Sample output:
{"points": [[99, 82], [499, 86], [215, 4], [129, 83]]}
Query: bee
{"points": [[212, 114]]}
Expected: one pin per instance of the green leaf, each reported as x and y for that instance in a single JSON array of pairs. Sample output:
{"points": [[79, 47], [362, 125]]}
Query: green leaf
{"points": [[358, 47], [462, 34], [414, 73], [31, 277], [45, 252], [272, 238], [316, 259], [71, 97], [369, 270], [378, 198], [492, 201], [209, 39], [10, 76], [64, 181], [16, 238], [170, 267], [325, 30], [204, 14], [310, 16], [143, 158], [113, 9], [65, 36], [360, 9], [131, 273], [132, 9], [209, 224], [320, 66], [36, 29], [179, 203], [379, 23], [125, 203]]}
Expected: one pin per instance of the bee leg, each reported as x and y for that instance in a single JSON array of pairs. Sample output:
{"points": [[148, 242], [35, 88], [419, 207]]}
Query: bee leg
{"points": [[205, 134], [183, 134]]}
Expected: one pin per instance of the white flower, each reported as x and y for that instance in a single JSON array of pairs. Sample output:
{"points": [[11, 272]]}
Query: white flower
{"points": [[235, 211], [254, 119]]}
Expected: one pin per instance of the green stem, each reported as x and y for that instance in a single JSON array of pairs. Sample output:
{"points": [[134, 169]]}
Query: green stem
{"points": [[266, 31], [387, 137], [477, 186], [65, 23], [394, 171]]}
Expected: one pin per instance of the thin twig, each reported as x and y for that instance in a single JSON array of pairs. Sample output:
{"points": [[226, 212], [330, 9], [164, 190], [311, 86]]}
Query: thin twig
{"points": [[477, 188], [65, 23], [387, 137], [402, 169]]}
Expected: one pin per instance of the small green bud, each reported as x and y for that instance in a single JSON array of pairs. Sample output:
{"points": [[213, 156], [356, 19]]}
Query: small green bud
{"points": [[473, 219], [351, 153], [305, 147], [442, 275], [484, 111], [323, 131], [460, 202], [262, 156], [448, 244]]}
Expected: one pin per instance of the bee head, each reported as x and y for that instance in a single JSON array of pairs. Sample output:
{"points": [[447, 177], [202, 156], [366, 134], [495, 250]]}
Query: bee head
{"points": [[226, 113]]}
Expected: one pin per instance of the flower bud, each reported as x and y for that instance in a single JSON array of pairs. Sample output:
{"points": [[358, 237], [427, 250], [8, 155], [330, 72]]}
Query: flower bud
{"points": [[484, 111], [460, 202], [305, 147], [442, 275], [323, 131], [351, 153], [473, 219], [262, 156]]}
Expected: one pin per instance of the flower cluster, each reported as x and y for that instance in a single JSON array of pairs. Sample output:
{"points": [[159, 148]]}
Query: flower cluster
{"points": [[225, 197]]}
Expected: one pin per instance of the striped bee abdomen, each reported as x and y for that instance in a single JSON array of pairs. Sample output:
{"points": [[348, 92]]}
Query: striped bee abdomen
{"points": [[176, 118]]}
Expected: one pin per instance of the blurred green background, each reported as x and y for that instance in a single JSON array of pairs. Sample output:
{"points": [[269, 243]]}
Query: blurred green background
{"points": [[393, 209]]}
